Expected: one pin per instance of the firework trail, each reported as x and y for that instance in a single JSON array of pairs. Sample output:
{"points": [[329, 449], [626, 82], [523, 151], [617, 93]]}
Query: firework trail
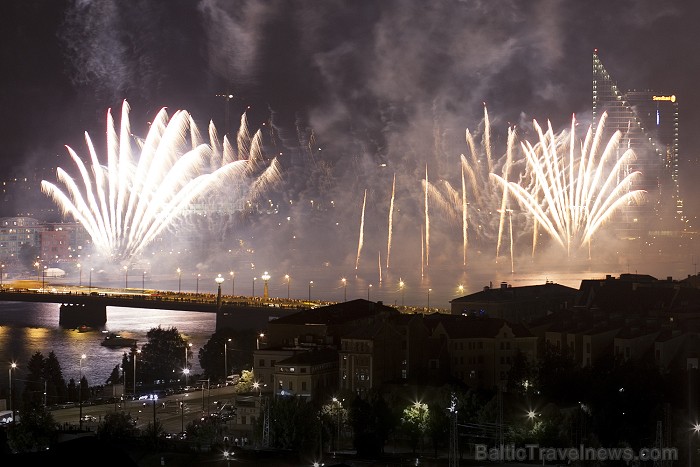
{"points": [[465, 217], [572, 195], [391, 217], [379, 264], [504, 198], [362, 231], [128, 203], [427, 221]]}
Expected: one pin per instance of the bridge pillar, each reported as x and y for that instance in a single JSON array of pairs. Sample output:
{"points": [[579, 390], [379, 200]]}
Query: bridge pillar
{"points": [[74, 315]]}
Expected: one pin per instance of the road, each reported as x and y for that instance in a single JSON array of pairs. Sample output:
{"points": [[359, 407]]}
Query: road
{"points": [[166, 410]]}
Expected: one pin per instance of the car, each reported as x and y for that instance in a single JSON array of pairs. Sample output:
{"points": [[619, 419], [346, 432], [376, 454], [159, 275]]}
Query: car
{"points": [[89, 418]]}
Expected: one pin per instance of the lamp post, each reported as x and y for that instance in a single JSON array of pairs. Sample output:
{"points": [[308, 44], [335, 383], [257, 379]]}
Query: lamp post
{"points": [[345, 289], [90, 280], [126, 277], [254, 279], [12, 406], [80, 391], [197, 290], [286, 276], [311, 283], [43, 279], [429, 290], [143, 282], [36, 265], [338, 406], [257, 340], [401, 285], [187, 370], [219, 280], [136, 351], [2, 273], [182, 417], [233, 283], [179, 280], [369, 287], [265, 277], [80, 275], [226, 359]]}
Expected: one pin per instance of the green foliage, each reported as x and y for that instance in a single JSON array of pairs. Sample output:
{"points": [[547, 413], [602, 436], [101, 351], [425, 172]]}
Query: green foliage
{"points": [[161, 357], [372, 422], [294, 424], [245, 383], [116, 426], [34, 432], [239, 352], [414, 422]]}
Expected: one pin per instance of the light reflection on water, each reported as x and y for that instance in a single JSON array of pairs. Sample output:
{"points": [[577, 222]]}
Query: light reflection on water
{"points": [[27, 328]]}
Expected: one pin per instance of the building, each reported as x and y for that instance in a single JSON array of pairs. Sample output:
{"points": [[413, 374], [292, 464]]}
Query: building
{"points": [[515, 304], [649, 123]]}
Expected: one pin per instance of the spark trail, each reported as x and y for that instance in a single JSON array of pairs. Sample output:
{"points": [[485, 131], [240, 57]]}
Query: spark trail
{"points": [[572, 195], [362, 231], [391, 218], [127, 204]]}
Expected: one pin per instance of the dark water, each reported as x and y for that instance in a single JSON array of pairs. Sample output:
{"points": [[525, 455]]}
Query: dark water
{"points": [[27, 328]]}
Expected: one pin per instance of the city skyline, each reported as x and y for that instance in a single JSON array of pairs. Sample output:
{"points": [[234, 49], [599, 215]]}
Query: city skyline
{"points": [[374, 107]]}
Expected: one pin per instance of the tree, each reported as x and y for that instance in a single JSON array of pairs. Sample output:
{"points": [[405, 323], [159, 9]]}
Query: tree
{"points": [[245, 383], [161, 356], [115, 377], [239, 352], [35, 432], [414, 422], [372, 422], [116, 426]]}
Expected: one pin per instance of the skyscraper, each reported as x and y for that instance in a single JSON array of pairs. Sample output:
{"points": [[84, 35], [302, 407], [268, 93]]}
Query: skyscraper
{"points": [[648, 121]]}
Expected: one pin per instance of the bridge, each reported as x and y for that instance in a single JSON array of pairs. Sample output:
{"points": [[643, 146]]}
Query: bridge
{"points": [[79, 307]]}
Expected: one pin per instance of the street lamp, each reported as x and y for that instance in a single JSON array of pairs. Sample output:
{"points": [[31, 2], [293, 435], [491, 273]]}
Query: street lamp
{"points": [[80, 391], [226, 359], [257, 340], [36, 265], [2, 272], [401, 285], [286, 276], [12, 406], [80, 275], [429, 290], [179, 280], [218, 280], [186, 372], [345, 289], [143, 282], [126, 277], [265, 277], [43, 279], [198, 276], [137, 351], [339, 404], [311, 283], [90, 280], [369, 287], [233, 283], [186, 365], [254, 279], [460, 287]]}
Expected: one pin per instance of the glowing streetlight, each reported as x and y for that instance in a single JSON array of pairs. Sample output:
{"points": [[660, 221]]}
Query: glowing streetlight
{"points": [[126, 277], [219, 280], [339, 404], [179, 280], [311, 283], [2, 273], [187, 369], [369, 287], [286, 276], [12, 406], [429, 290], [254, 279], [80, 275], [198, 276], [257, 340], [265, 277], [233, 283], [345, 289], [90, 280], [401, 285], [460, 287], [36, 265], [80, 391]]}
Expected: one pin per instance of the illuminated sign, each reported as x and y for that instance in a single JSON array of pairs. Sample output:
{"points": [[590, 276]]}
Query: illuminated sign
{"points": [[664, 98]]}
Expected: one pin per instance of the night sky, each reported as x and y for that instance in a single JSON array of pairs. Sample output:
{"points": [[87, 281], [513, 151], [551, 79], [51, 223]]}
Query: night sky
{"points": [[392, 82]]}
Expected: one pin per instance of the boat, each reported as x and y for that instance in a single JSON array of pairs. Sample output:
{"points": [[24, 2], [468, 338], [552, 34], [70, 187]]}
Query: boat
{"points": [[117, 340]]}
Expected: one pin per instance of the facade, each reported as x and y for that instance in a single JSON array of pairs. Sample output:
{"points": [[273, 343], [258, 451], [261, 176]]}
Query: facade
{"points": [[15, 233], [649, 123]]}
